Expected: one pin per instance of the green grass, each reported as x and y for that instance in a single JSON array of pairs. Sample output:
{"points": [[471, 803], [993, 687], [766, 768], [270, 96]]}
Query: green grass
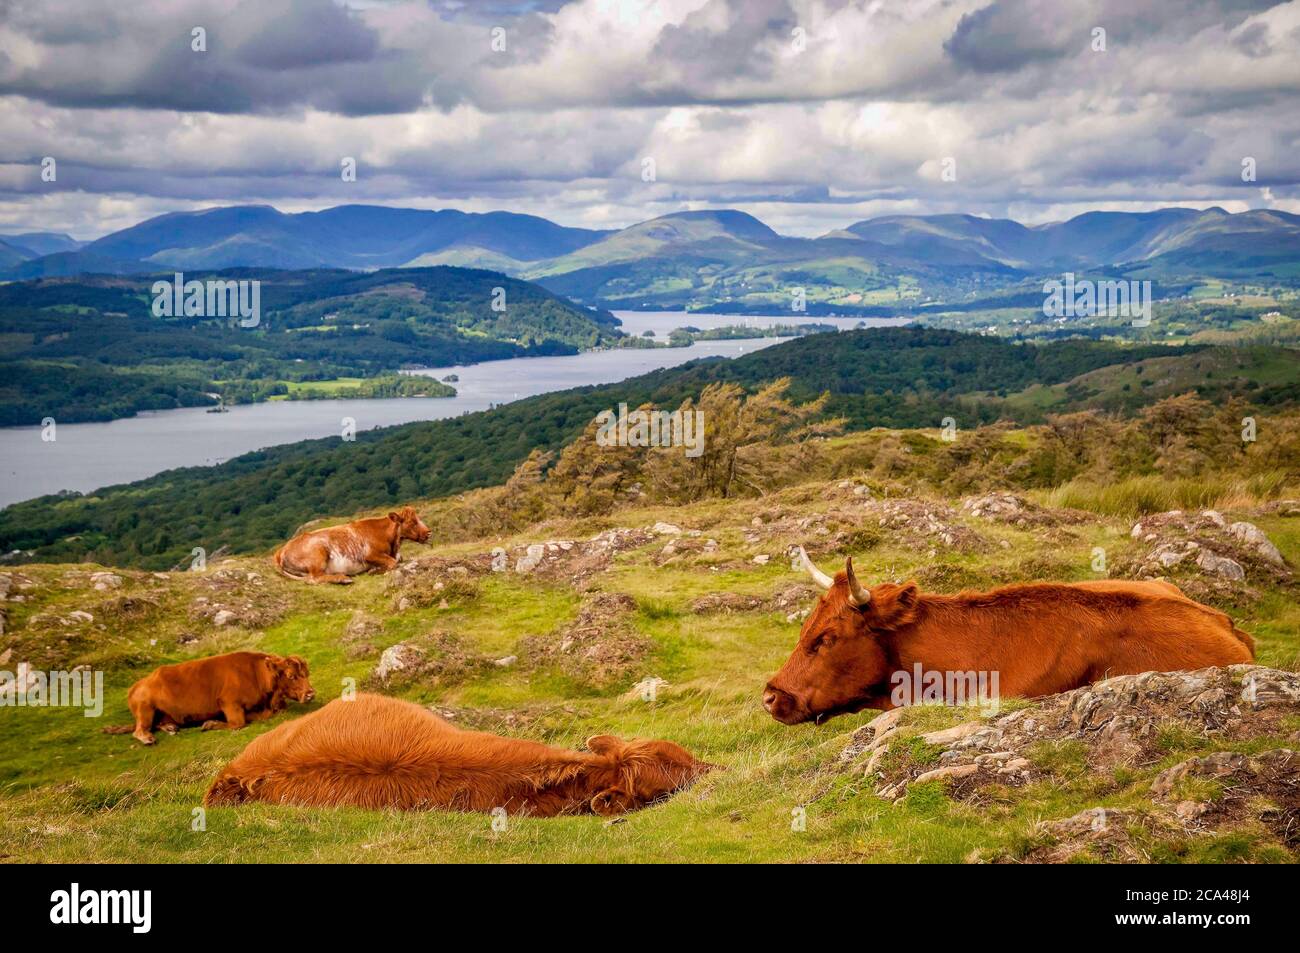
{"points": [[70, 793], [1138, 496]]}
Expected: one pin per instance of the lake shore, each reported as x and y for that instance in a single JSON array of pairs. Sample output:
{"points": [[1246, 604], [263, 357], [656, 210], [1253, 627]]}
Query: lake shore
{"points": [[84, 457]]}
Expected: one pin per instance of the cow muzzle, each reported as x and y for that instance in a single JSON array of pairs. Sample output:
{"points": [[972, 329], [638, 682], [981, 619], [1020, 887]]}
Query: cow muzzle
{"points": [[784, 707]]}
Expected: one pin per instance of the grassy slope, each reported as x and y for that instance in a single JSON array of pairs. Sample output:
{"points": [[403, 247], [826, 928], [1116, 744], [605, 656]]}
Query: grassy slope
{"points": [[900, 377], [70, 793]]}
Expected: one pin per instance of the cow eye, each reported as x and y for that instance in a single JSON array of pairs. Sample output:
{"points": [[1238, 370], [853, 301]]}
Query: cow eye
{"points": [[818, 642]]}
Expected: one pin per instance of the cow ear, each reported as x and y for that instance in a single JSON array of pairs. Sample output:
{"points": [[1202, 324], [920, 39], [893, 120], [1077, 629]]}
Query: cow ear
{"points": [[611, 801], [395, 517], [892, 606], [604, 744]]}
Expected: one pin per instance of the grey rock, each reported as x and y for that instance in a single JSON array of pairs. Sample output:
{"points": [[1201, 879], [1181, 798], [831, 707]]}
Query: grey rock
{"points": [[1221, 566]]}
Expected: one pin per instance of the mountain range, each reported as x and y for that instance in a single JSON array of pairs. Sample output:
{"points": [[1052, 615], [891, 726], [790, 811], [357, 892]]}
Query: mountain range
{"points": [[696, 259]]}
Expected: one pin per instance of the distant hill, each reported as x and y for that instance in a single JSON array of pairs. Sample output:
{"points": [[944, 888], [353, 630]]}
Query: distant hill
{"points": [[44, 243], [1171, 236], [906, 263], [718, 259], [71, 264], [349, 236], [12, 254]]}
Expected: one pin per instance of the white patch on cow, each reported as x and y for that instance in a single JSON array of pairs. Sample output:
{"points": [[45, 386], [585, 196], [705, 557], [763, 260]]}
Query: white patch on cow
{"points": [[347, 552]]}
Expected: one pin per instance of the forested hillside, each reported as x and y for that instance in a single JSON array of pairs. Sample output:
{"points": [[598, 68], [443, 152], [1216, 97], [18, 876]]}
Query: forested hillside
{"points": [[900, 377], [313, 326]]}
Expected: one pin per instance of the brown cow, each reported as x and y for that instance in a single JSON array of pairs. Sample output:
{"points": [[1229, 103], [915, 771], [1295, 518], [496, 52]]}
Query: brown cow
{"points": [[379, 752], [239, 687], [338, 553], [861, 645]]}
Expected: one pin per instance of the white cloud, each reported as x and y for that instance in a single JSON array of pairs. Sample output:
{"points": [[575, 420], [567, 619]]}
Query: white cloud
{"points": [[856, 122]]}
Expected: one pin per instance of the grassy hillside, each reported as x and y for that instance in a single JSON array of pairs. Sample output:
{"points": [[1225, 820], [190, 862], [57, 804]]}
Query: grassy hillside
{"points": [[704, 617], [880, 377]]}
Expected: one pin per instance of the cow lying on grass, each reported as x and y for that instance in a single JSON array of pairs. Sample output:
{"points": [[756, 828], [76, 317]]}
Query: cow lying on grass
{"points": [[859, 644], [380, 752], [338, 553], [239, 687]]}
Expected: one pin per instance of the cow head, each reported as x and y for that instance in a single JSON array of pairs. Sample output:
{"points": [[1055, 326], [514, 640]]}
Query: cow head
{"points": [[409, 525], [840, 661], [291, 678], [643, 772]]}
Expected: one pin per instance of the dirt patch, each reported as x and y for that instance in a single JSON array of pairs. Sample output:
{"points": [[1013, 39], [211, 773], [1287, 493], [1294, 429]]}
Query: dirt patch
{"points": [[359, 635], [600, 647], [1262, 788], [504, 721], [1100, 834]]}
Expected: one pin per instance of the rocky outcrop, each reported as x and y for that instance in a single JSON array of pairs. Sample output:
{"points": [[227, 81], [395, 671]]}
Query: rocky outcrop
{"points": [[1118, 723], [436, 659], [927, 523], [1205, 545], [575, 562], [1015, 510]]}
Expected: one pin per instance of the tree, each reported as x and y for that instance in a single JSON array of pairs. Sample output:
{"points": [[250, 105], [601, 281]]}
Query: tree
{"points": [[735, 429]]}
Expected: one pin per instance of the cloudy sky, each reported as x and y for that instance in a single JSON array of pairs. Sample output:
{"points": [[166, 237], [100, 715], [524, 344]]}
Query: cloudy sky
{"points": [[810, 114]]}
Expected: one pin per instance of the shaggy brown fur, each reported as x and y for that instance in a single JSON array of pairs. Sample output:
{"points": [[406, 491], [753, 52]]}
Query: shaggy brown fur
{"points": [[240, 686], [1041, 638], [338, 553], [379, 752]]}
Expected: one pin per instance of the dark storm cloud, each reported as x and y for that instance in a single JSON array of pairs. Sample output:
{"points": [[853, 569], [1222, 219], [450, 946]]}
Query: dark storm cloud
{"points": [[1000, 38]]}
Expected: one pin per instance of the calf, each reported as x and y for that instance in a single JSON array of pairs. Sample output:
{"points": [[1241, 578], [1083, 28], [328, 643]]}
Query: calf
{"points": [[380, 752], [239, 687], [338, 553], [862, 643]]}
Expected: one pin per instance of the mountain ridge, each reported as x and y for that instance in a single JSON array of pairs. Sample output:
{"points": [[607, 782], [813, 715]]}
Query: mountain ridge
{"points": [[696, 259]]}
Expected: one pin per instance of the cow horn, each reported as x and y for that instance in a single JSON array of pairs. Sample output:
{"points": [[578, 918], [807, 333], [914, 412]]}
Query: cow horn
{"points": [[858, 596], [819, 577]]}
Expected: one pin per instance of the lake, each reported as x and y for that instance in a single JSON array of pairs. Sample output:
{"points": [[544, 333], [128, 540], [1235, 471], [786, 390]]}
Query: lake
{"points": [[84, 457]]}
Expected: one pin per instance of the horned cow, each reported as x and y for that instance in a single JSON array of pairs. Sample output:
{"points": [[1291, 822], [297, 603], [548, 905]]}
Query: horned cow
{"points": [[1040, 639]]}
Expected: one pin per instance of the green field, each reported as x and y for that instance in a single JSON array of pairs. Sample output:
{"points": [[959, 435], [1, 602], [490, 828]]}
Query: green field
{"points": [[71, 793]]}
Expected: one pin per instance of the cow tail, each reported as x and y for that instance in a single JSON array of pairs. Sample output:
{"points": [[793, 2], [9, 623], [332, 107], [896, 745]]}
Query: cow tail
{"points": [[118, 729]]}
